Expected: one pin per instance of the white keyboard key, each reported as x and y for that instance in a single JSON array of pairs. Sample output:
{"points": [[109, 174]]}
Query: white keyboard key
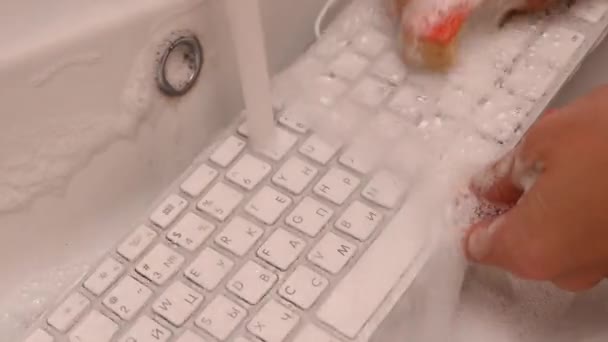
{"points": [[190, 232], [104, 276], [127, 298], [267, 205], [328, 89], [177, 303], [248, 172], [348, 65], [312, 333], [228, 151], [456, 102], [359, 221], [199, 180], [329, 45], [377, 271], [370, 43], [281, 249], [189, 336], [390, 67], [208, 269], [160, 264], [252, 282], [371, 92], [66, 314], [557, 46], [336, 186], [136, 243], [309, 217], [221, 317], [332, 253], [303, 287], [273, 322], [411, 103], [292, 120], [385, 189], [592, 10], [239, 236], [501, 114], [146, 330], [95, 327], [359, 159], [295, 175], [318, 150], [242, 339], [168, 211], [220, 201], [530, 79], [283, 142], [40, 336]]}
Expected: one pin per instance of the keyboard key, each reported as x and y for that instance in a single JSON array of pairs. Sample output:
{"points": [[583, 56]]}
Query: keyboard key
{"points": [[248, 172], [359, 221], [273, 322], [127, 298], [268, 205], [239, 236], [318, 150], [328, 88], [359, 158], [309, 217], [336, 186], [66, 314], [330, 45], [199, 180], [208, 269], [557, 46], [370, 43], [160, 264], [220, 201], [390, 67], [313, 333], [242, 339], [348, 65], [281, 144], [104, 276], [95, 327], [456, 102], [303, 287], [228, 151], [281, 249], [530, 79], [221, 317], [371, 92], [384, 189], [402, 237], [252, 282], [177, 303], [146, 330], [295, 175], [293, 121], [189, 336], [412, 104], [190, 232], [136, 243], [40, 336], [332, 253], [168, 211]]}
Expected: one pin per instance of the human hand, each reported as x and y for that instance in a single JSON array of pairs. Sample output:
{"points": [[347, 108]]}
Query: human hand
{"points": [[554, 186]]}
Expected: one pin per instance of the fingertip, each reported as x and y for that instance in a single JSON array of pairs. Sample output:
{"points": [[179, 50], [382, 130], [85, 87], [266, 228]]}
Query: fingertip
{"points": [[476, 242]]}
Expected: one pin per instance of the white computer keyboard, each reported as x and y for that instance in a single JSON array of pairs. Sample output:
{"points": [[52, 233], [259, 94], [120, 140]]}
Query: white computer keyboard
{"points": [[307, 241]]}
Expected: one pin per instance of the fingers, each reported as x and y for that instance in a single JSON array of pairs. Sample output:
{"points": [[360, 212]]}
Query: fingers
{"points": [[579, 282], [495, 184]]}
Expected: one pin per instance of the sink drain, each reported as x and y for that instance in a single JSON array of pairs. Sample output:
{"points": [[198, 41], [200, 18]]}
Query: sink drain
{"points": [[180, 65]]}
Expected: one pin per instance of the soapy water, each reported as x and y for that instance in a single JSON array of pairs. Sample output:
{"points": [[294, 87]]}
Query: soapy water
{"points": [[464, 303]]}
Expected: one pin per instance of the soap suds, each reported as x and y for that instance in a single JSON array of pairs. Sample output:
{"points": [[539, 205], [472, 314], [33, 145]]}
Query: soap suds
{"points": [[43, 158]]}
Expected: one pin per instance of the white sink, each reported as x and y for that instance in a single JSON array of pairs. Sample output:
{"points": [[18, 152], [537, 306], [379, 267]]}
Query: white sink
{"points": [[87, 141]]}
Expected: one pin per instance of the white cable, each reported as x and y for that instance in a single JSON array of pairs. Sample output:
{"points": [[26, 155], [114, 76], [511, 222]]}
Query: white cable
{"points": [[321, 16]]}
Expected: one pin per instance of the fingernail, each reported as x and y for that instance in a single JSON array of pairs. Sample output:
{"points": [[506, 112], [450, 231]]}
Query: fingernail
{"points": [[479, 243]]}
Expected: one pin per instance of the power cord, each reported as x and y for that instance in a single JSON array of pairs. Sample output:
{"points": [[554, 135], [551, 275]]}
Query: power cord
{"points": [[322, 14]]}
